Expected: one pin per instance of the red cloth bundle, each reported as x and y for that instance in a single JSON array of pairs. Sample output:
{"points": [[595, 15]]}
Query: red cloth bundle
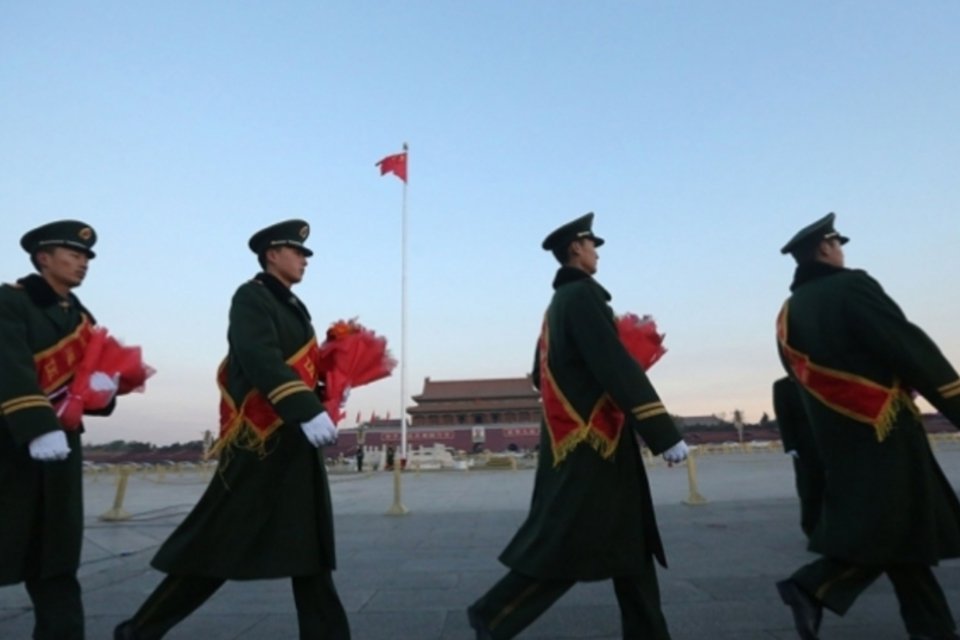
{"points": [[351, 356], [639, 335], [103, 353]]}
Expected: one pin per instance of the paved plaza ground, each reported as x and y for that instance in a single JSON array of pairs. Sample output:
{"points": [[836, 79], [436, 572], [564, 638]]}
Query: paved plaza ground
{"points": [[412, 576]]}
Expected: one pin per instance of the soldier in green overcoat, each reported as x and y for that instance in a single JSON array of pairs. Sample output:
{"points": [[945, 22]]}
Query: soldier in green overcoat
{"points": [[591, 515], [266, 513], [887, 507], [43, 333], [798, 443]]}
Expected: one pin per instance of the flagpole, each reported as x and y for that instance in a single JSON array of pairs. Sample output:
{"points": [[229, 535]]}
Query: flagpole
{"points": [[398, 508], [403, 315]]}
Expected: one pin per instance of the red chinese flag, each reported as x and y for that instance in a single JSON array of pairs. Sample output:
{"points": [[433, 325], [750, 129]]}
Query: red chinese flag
{"points": [[395, 164]]}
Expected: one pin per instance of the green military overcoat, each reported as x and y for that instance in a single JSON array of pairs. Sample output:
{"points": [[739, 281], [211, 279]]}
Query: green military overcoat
{"points": [[41, 503], [885, 502], [591, 517], [266, 512], [797, 436]]}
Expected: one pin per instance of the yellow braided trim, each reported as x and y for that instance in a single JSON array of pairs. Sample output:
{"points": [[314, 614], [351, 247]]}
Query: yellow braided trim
{"points": [[10, 404], [84, 322], [606, 447], [281, 389], [241, 435], [649, 413], [29, 405], [641, 408], [888, 417], [300, 388], [950, 390]]}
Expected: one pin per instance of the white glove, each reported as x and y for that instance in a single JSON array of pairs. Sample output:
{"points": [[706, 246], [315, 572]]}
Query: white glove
{"points": [[793, 453], [346, 394], [320, 430], [677, 453], [50, 446], [102, 383]]}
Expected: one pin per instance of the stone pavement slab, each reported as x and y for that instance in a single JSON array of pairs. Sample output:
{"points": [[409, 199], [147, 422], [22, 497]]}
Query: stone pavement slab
{"points": [[413, 576]]}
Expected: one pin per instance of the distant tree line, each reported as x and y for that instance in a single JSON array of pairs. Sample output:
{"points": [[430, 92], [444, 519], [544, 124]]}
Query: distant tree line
{"points": [[135, 446]]}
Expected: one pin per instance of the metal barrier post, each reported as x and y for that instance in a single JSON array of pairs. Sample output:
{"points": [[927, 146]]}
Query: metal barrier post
{"points": [[118, 512], [695, 498]]}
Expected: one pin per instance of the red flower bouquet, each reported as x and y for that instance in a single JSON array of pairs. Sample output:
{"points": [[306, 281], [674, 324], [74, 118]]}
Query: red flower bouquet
{"points": [[351, 356], [103, 353], [639, 335]]}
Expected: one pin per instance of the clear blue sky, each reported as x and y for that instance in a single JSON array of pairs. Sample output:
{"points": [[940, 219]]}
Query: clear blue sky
{"points": [[703, 134]]}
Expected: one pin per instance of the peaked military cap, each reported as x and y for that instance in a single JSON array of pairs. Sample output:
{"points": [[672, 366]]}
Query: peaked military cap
{"points": [[289, 233], [815, 233], [72, 234], [575, 230]]}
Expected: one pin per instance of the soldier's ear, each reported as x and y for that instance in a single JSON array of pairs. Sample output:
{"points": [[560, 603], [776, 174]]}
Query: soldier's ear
{"points": [[41, 259], [823, 249]]}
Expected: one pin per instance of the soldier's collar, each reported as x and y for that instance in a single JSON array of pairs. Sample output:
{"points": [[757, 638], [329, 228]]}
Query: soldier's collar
{"points": [[566, 275], [809, 271], [42, 295], [40, 291], [280, 291]]}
